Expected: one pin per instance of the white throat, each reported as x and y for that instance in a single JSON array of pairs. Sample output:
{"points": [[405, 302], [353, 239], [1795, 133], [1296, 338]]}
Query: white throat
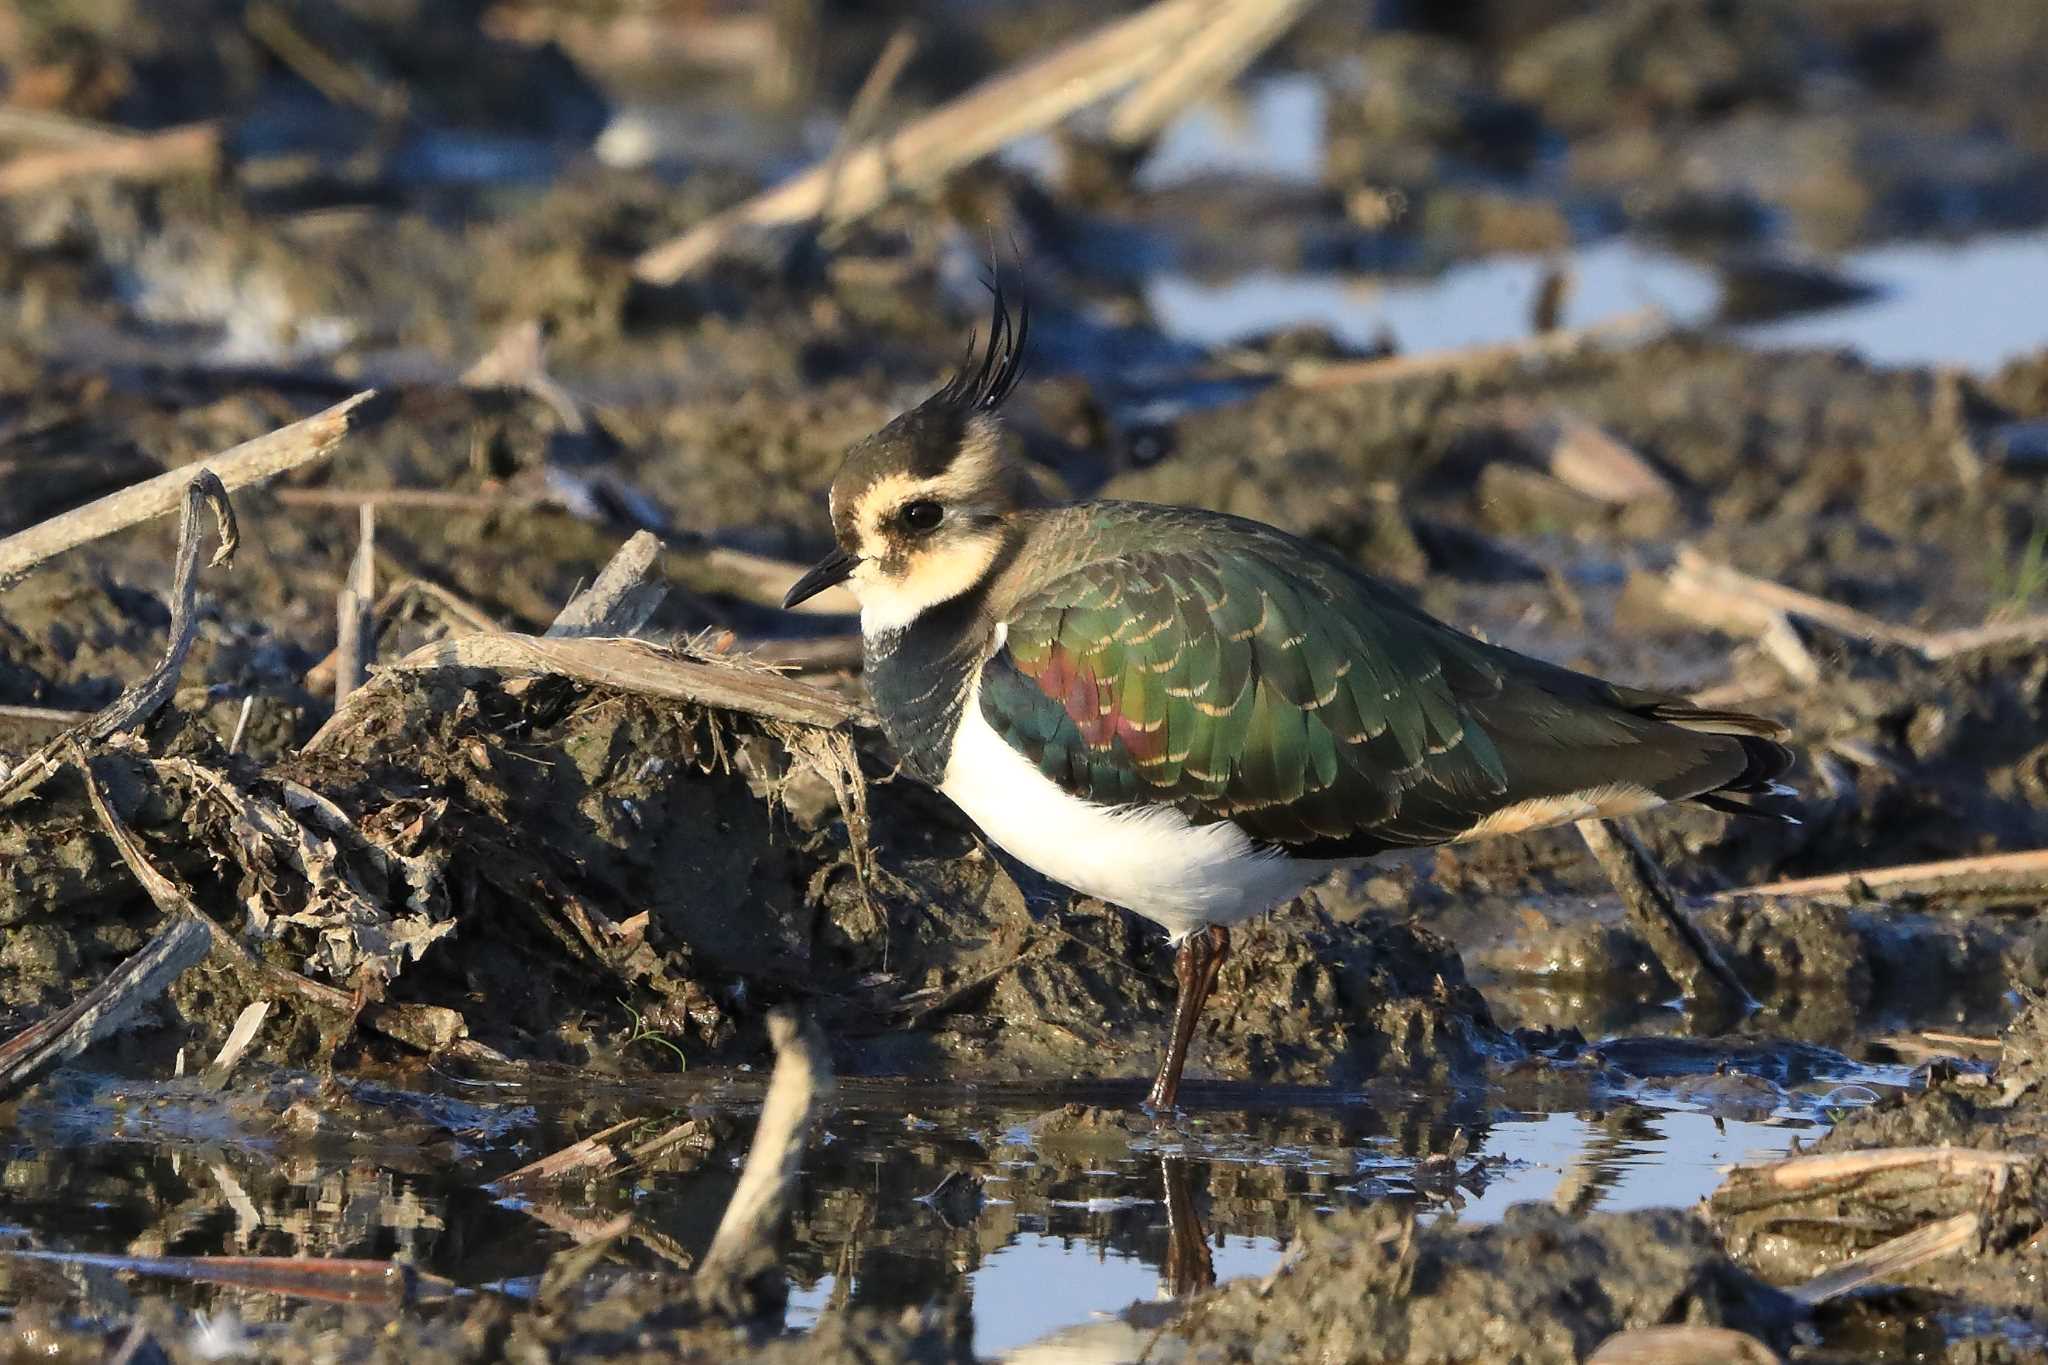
{"points": [[891, 602]]}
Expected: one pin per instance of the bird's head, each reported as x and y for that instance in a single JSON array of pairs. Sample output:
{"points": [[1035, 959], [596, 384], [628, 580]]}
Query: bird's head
{"points": [[921, 509]]}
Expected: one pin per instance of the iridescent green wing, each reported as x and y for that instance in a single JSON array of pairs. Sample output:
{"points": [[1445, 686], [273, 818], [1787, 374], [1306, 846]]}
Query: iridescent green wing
{"points": [[1248, 679]]}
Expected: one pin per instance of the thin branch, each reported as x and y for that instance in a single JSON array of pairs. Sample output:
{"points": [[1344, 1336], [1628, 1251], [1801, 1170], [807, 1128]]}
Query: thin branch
{"points": [[1990, 873], [1685, 953], [107, 1007], [745, 1243], [627, 665], [866, 108], [1027, 100], [355, 608], [126, 156], [265, 457], [1628, 327], [144, 698], [1888, 1260], [622, 599], [1214, 56]]}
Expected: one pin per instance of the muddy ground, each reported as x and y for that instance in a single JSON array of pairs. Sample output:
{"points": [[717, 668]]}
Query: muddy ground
{"points": [[533, 879]]}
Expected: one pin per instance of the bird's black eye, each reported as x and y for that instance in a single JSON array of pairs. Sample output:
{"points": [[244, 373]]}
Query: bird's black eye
{"points": [[922, 515]]}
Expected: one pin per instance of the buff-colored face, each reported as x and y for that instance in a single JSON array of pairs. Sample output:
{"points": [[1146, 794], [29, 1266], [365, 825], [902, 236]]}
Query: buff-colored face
{"points": [[919, 539], [921, 510]]}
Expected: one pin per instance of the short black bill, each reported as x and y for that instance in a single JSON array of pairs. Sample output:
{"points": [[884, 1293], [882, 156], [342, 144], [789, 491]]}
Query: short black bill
{"points": [[830, 571]]}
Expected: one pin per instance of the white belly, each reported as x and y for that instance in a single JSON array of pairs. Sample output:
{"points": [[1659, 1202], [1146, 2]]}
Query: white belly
{"points": [[1150, 859]]}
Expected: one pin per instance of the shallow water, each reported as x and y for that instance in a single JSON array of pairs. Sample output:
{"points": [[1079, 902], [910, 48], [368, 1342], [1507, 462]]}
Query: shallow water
{"points": [[1080, 1212]]}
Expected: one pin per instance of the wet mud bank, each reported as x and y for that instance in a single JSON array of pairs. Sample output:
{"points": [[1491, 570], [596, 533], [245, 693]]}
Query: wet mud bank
{"points": [[486, 953]]}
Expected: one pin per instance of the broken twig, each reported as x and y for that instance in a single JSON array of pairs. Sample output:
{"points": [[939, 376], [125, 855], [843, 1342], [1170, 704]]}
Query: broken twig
{"points": [[629, 666], [1212, 57], [625, 595], [1891, 1259], [122, 156], [1628, 327], [144, 698], [265, 457], [745, 1244], [996, 112], [107, 1007], [355, 608], [1682, 1345], [1988, 874], [1685, 953]]}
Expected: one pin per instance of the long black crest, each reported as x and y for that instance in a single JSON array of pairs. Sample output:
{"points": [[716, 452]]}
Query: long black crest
{"points": [[984, 387]]}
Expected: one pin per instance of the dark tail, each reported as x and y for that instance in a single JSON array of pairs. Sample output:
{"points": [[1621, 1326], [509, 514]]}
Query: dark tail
{"points": [[1756, 790]]}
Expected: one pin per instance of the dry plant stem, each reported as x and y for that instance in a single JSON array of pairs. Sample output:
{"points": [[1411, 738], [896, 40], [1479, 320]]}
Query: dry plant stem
{"points": [[1212, 57], [355, 611], [451, 607], [1682, 1346], [1026, 100], [247, 1024], [757, 578], [1990, 873], [866, 108], [625, 595], [265, 457], [824, 654], [1633, 326], [1888, 1260], [1684, 951], [44, 715], [322, 1278], [593, 1156], [1833, 1175], [126, 156], [107, 1007], [747, 1234], [428, 499], [1588, 458], [628, 665], [144, 698]]}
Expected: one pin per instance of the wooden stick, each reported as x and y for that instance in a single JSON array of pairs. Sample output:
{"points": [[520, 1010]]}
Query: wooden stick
{"points": [[758, 578], [1987, 873], [997, 111], [1682, 1345], [745, 1241], [1695, 577], [1214, 56], [355, 608], [44, 715], [1693, 962], [107, 1007], [1638, 325], [142, 699], [247, 1024], [587, 1158], [427, 499], [866, 108], [126, 156], [625, 594], [452, 607], [821, 654], [628, 665], [301, 443], [1587, 457], [1888, 1260], [1830, 1169]]}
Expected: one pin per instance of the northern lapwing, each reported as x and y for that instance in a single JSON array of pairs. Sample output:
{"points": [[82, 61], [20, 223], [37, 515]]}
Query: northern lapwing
{"points": [[1195, 716]]}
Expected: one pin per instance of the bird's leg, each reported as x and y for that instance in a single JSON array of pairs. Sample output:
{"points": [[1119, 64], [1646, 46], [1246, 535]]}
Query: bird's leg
{"points": [[1189, 1268], [1195, 966]]}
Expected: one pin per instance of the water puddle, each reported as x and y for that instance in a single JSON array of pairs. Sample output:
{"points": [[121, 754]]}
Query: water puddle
{"points": [[1052, 1218]]}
